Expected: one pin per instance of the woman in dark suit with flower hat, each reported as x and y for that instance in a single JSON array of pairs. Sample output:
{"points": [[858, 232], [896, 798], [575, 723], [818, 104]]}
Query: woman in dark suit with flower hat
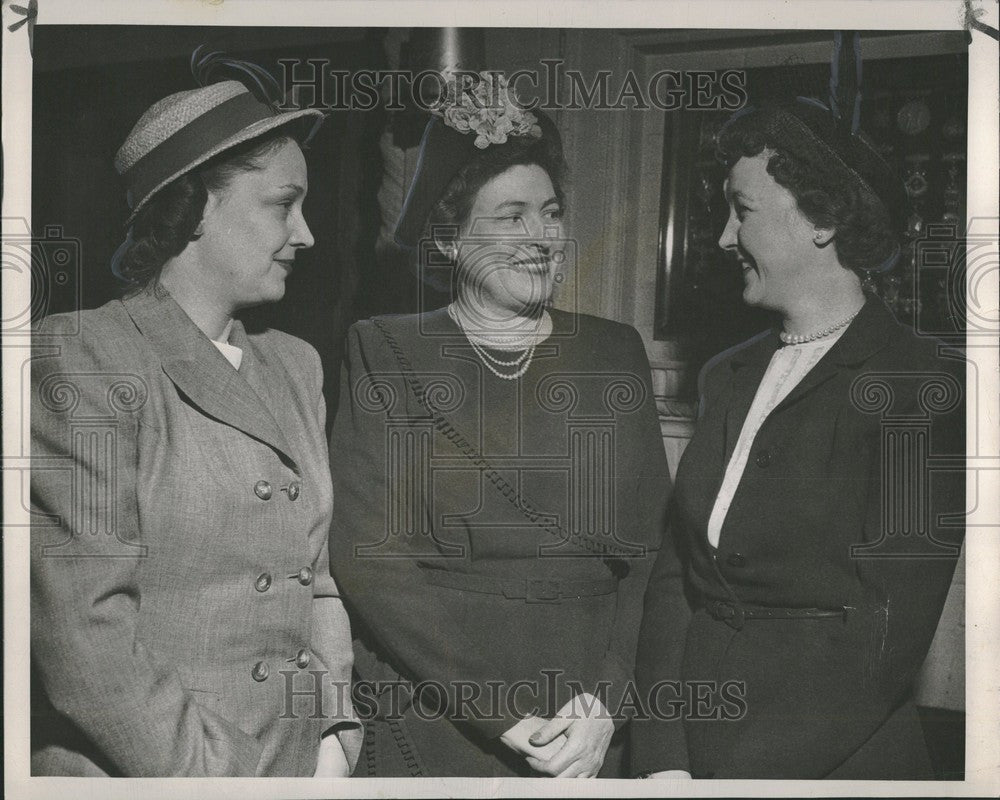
{"points": [[180, 583], [500, 478], [818, 548]]}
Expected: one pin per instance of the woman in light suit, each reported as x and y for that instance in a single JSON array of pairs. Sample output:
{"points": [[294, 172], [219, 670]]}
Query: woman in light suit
{"points": [[184, 620]]}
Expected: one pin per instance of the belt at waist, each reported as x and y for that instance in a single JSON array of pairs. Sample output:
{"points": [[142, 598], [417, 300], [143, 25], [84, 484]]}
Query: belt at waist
{"points": [[736, 614], [531, 590]]}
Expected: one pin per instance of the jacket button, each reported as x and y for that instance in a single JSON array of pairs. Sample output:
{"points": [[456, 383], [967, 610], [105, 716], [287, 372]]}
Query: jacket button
{"points": [[302, 659], [736, 560], [305, 576], [763, 458], [262, 489], [260, 671], [294, 489], [263, 582]]}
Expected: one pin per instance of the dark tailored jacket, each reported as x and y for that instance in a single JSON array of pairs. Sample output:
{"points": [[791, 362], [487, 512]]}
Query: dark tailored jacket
{"points": [[179, 550], [823, 697], [421, 530]]}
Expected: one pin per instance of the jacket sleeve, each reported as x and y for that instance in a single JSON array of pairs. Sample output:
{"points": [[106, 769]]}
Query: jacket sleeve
{"points": [[644, 489], [407, 617], [658, 740], [331, 629], [87, 550]]}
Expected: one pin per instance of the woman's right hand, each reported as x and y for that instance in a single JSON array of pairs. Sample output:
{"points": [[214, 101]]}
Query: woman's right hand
{"points": [[517, 739], [587, 727]]}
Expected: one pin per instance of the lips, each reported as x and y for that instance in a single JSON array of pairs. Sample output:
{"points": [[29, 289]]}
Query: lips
{"points": [[287, 263], [746, 264]]}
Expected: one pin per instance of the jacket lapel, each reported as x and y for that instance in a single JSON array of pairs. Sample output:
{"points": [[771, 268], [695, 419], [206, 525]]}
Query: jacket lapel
{"points": [[870, 331], [200, 371], [269, 378], [749, 366]]}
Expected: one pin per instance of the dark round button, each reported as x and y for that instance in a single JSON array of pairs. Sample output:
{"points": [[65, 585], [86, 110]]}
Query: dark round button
{"points": [[302, 659], [294, 490], [262, 489], [260, 671], [263, 582], [736, 560], [763, 458], [305, 576]]}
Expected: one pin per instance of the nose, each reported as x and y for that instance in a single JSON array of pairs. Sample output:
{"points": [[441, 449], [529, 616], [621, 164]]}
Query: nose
{"points": [[728, 240], [301, 235], [543, 233]]}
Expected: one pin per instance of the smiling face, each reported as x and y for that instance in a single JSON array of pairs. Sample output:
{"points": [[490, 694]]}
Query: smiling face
{"points": [[510, 246], [252, 228], [772, 239]]}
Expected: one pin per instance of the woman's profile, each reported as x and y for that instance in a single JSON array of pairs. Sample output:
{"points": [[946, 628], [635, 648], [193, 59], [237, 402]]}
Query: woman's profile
{"points": [[180, 584]]}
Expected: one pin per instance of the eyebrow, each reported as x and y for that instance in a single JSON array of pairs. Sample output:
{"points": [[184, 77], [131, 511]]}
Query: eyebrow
{"points": [[739, 194], [517, 204], [294, 186]]}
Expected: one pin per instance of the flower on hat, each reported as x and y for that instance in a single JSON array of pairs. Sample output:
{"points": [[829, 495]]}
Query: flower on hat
{"points": [[487, 108]]}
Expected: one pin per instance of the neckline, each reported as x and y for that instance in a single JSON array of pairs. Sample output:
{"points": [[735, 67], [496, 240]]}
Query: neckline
{"points": [[525, 342]]}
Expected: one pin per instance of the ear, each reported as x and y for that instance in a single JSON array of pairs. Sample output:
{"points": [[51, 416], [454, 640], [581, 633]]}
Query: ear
{"points": [[447, 246], [823, 236], [212, 203]]}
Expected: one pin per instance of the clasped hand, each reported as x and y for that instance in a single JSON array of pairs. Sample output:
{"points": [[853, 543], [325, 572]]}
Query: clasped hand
{"points": [[570, 745]]}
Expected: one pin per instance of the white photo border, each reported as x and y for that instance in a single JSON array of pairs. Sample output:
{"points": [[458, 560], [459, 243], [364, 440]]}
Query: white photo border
{"points": [[982, 541]]}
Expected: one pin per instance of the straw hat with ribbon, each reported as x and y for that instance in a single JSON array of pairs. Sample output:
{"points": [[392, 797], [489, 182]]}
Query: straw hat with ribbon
{"points": [[186, 129]]}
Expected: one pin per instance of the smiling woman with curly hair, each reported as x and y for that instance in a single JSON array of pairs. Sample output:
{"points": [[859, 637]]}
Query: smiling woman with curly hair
{"points": [[812, 599]]}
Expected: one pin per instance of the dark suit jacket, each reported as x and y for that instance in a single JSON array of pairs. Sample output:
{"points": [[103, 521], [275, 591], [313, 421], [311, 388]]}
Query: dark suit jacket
{"points": [[177, 502], [420, 526], [823, 697]]}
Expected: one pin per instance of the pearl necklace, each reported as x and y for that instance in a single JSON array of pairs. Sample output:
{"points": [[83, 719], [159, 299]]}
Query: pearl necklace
{"points": [[524, 359], [801, 338]]}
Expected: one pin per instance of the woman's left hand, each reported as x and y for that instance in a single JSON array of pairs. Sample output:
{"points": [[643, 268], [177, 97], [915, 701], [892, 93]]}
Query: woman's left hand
{"points": [[588, 728]]}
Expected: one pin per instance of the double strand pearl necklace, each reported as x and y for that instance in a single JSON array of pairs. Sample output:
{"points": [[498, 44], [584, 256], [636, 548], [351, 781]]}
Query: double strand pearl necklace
{"points": [[802, 338], [523, 361]]}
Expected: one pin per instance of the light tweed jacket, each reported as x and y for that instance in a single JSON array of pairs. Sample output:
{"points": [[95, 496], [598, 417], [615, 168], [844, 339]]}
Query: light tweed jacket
{"points": [[182, 609]]}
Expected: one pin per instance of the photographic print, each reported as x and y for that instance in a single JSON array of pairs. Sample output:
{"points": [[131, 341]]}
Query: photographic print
{"points": [[404, 400]]}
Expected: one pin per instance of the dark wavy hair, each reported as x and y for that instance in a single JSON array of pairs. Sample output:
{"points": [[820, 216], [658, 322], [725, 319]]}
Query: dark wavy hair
{"points": [[826, 191], [165, 225], [452, 210]]}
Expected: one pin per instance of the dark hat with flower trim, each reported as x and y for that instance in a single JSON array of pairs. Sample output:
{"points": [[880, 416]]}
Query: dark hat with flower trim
{"points": [[186, 129], [471, 119]]}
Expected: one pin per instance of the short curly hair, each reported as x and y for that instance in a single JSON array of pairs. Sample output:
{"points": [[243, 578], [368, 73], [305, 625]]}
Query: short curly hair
{"points": [[452, 210], [165, 225], [826, 190]]}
